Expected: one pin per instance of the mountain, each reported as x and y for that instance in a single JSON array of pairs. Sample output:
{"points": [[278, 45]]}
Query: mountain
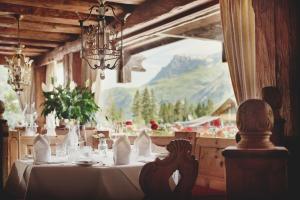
{"points": [[194, 79]]}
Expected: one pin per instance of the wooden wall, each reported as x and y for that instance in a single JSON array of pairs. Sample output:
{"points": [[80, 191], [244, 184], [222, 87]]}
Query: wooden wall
{"points": [[277, 54]]}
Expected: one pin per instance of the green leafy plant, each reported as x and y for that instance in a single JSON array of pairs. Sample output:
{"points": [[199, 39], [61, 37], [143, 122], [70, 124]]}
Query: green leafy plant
{"points": [[70, 103]]}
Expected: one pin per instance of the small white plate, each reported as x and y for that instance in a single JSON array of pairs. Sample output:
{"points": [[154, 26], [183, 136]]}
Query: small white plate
{"points": [[84, 163]]}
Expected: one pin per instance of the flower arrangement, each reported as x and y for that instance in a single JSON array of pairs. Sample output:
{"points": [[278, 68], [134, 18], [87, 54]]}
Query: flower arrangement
{"points": [[71, 102], [154, 125]]}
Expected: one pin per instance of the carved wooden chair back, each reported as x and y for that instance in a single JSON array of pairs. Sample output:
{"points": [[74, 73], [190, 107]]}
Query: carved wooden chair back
{"points": [[190, 136], [154, 177]]}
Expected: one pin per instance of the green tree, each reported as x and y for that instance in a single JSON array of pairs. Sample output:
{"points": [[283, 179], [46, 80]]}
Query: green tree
{"points": [[112, 112], [153, 107], [178, 111], [163, 115], [137, 107], [209, 106], [146, 106]]}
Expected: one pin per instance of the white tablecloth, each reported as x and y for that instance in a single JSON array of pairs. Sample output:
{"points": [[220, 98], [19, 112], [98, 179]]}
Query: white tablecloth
{"points": [[67, 181]]}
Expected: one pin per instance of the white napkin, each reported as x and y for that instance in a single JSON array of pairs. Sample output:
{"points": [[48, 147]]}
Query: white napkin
{"points": [[122, 151], [41, 149], [142, 144]]}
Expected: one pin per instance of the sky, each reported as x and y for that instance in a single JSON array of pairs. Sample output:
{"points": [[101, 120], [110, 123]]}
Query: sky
{"points": [[159, 57]]}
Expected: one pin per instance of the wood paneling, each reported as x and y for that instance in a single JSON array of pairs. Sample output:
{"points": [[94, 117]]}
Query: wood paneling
{"points": [[211, 162], [277, 54]]}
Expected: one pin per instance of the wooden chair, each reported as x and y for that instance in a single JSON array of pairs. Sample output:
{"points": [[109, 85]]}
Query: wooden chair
{"points": [[154, 177], [190, 136]]}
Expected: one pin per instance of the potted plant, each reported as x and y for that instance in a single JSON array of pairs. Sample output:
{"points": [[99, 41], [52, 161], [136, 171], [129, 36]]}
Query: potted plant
{"points": [[73, 104]]}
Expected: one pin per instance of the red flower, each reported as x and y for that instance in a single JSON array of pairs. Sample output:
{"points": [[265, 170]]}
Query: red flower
{"points": [[154, 126], [216, 122], [128, 123], [152, 121]]}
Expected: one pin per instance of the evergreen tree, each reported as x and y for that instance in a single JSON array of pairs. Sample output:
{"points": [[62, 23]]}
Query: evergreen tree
{"points": [[170, 113], [153, 107], [209, 106], [136, 106], [146, 106], [112, 112], [185, 111], [178, 111], [163, 113]]}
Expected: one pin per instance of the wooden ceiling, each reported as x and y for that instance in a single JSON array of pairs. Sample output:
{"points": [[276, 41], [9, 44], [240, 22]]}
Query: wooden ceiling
{"points": [[47, 24]]}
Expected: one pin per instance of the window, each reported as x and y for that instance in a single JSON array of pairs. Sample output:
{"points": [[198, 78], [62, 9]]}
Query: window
{"points": [[185, 84], [59, 73], [13, 113]]}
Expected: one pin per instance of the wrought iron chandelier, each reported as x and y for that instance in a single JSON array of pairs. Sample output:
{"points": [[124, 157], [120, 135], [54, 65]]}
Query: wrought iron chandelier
{"points": [[19, 66], [102, 42]]}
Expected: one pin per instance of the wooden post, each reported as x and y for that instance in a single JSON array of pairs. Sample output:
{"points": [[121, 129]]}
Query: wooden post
{"points": [[255, 168]]}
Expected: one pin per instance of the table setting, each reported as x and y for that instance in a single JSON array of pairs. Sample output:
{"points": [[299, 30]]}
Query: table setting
{"points": [[83, 173]]}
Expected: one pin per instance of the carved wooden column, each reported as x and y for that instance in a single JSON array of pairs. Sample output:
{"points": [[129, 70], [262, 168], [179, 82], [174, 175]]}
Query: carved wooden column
{"points": [[255, 168]]}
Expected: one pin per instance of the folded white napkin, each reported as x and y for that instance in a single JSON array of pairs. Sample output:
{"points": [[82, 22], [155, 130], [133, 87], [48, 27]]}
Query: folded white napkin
{"points": [[142, 144], [122, 151], [41, 149]]}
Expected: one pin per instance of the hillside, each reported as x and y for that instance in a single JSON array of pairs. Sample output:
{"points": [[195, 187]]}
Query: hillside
{"points": [[194, 79]]}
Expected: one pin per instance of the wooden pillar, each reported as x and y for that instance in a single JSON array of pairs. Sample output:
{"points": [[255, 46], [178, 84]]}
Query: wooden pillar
{"points": [[255, 168], [77, 69]]}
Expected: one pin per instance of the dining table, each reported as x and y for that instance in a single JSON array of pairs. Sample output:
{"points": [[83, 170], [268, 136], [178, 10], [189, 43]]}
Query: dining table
{"points": [[63, 180]]}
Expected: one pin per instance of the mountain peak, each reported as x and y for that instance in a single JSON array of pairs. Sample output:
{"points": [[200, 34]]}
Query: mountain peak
{"points": [[178, 65]]}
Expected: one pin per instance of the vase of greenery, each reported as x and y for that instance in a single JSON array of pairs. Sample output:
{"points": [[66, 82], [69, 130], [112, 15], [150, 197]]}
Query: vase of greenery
{"points": [[70, 103]]}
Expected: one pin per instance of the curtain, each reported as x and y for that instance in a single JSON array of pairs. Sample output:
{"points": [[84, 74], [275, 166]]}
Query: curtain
{"points": [[97, 87], [50, 72], [68, 63], [27, 97], [238, 21]]}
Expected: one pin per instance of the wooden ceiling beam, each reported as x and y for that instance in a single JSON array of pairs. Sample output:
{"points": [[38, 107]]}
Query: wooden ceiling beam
{"points": [[47, 27], [7, 7], [131, 2], [26, 49], [10, 53], [36, 35], [65, 5], [35, 43], [154, 11], [198, 13], [74, 22], [59, 52]]}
